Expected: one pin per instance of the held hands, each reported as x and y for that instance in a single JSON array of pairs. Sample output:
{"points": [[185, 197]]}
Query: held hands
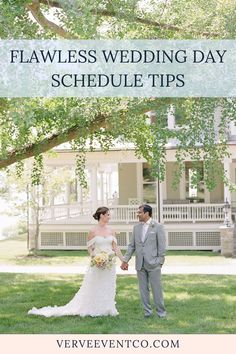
{"points": [[92, 254], [124, 266]]}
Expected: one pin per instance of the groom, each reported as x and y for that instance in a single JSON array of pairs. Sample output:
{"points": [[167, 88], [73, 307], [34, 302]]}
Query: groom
{"points": [[148, 243]]}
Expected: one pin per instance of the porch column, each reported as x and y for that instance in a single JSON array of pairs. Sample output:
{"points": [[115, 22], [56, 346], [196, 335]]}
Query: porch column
{"points": [[51, 198], [109, 191], [207, 196], [161, 192], [139, 171], [94, 194], [102, 185], [171, 118], [227, 193], [163, 184], [233, 178], [80, 194], [182, 191], [67, 193], [232, 128]]}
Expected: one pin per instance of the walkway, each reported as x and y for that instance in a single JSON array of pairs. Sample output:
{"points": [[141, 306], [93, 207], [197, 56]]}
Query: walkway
{"points": [[227, 269]]}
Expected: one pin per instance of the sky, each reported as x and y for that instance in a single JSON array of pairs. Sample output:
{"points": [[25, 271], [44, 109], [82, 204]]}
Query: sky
{"points": [[7, 223]]}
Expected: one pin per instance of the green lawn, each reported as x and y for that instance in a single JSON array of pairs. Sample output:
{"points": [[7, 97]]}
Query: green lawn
{"points": [[14, 251], [195, 304]]}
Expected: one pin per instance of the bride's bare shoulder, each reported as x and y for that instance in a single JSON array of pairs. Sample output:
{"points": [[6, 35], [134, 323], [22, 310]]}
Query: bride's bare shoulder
{"points": [[91, 233], [112, 232]]}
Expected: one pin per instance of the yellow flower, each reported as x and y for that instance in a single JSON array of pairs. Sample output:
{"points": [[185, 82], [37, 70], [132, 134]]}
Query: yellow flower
{"points": [[103, 260]]}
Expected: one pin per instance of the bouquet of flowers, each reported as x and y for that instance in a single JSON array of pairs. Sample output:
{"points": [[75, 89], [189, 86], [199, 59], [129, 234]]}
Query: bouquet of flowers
{"points": [[103, 260]]}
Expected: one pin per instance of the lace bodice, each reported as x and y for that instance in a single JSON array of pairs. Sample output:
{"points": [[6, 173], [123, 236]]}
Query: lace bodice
{"points": [[102, 243]]}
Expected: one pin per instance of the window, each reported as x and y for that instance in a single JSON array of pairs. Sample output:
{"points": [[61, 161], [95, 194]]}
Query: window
{"points": [[180, 116], [149, 185], [195, 192]]}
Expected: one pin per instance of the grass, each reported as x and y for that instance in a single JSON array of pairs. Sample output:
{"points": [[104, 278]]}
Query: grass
{"points": [[196, 304], [14, 251], [199, 304]]}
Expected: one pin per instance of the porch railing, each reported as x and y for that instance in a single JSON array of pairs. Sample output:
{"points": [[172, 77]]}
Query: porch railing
{"points": [[193, 212], [128, 213], [65, 211]]}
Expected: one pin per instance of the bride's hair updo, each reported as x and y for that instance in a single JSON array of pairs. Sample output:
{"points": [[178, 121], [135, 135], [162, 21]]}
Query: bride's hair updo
{"points": [[99, 211]]}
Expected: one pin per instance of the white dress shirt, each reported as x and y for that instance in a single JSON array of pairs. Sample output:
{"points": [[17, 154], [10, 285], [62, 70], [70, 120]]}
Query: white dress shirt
{"points": [[145, 228]]}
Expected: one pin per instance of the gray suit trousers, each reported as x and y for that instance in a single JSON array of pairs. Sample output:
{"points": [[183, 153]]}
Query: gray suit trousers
{"points": [[151, 277]]}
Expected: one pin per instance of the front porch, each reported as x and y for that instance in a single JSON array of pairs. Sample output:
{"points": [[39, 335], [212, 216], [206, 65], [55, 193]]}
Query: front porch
{"points": [[188, 227], [122, 181]]}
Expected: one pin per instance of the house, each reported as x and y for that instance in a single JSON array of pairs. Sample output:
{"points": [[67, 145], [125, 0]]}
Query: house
{"points": [[122, 181]]}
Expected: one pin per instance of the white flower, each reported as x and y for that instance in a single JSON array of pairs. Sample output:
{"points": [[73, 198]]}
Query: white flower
{"points": [[103, 260]]}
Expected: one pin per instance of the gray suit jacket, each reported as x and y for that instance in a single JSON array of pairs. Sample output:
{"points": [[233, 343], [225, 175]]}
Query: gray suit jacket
{"points": [[151, 252]]}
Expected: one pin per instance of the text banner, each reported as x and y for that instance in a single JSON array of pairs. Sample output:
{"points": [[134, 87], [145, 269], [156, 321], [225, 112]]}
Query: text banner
{"points": [[113, 68]]}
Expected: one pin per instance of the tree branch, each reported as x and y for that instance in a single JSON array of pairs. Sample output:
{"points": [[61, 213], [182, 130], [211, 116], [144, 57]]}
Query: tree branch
{"points": [[155, 24], [34, 8], [49, 143], [144, 21], [51, 3]]}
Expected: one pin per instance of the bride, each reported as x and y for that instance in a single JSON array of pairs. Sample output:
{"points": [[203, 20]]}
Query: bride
{"points": [[96, 296]]}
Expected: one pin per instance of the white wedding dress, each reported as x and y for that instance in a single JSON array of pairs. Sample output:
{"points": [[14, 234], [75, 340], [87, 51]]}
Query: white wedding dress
{"points": [[96, 296]]}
